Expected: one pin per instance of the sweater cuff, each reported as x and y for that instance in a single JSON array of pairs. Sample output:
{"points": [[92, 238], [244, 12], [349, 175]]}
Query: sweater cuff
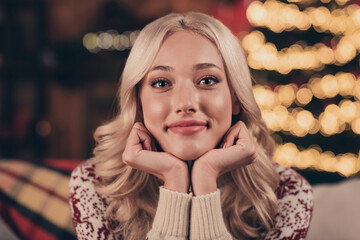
{"points": [[206, 218], [172, 214]]}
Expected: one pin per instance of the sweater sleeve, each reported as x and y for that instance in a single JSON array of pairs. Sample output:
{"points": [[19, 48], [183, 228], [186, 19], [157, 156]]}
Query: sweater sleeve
{"points": [[87, 206], [171, 220], [207, 219], [295, 206]]}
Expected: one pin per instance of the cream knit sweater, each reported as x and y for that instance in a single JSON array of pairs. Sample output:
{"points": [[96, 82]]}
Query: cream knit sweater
{"points": [[172, 219]]}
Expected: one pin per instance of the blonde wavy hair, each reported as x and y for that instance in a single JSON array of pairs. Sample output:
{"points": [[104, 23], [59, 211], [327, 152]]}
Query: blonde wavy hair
{"points": [[247, 194]]}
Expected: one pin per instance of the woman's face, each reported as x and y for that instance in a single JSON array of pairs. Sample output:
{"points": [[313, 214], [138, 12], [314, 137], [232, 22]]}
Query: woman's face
{"points": [[185, 96]]}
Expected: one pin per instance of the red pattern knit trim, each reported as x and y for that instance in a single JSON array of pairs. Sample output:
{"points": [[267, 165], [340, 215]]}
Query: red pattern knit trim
{"points": [[294, 194]]}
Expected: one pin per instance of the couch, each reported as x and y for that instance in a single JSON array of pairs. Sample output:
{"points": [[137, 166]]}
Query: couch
{"points": [[34, 200]]}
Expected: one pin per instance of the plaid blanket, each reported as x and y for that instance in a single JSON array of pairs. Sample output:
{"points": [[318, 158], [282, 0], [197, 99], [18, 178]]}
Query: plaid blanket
{"points": [[34, 200]]}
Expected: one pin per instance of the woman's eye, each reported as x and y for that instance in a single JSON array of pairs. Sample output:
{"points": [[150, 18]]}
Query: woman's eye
{"points": [[160, 84], [208, 81]]}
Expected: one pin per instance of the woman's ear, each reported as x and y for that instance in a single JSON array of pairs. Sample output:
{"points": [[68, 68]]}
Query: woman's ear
{"points": [[139, 114], [236, 108]]}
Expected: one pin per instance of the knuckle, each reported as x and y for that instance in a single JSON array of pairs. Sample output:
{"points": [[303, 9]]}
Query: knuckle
{"points": [[126, 157], [138, 125], [250, 152], [241, 124], [178, 166]]}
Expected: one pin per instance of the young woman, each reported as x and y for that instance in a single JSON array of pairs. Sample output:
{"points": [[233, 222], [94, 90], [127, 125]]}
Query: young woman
{"points": [[188, 156]]}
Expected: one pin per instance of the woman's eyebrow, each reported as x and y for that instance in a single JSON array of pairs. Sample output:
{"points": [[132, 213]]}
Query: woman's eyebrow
{"points": [[201, 66], [196, 67], [162, 68]]}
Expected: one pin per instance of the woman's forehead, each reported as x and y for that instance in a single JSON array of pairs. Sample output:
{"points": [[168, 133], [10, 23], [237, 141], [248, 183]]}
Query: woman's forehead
{"points": [[189, 47]]}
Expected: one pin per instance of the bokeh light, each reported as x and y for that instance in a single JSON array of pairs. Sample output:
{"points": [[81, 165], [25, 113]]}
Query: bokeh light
{"points": [[277, 16]]}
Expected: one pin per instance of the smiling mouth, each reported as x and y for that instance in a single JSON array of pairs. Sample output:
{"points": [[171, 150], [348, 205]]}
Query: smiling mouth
{"points": [[187, 128]]}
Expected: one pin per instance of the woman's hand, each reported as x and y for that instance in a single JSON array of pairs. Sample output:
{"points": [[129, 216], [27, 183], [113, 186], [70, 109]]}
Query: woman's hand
{"points": [[140, 153], [238, 150]]}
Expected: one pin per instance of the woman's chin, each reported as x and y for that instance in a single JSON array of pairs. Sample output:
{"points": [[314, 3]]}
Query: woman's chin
{"points": [[188, 156]]}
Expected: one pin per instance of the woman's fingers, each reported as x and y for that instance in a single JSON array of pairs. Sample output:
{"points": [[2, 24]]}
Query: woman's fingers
{"points": [[144, 136], [238, 150], [140, 153], [138, 140], [230, 137], [236, 134]]}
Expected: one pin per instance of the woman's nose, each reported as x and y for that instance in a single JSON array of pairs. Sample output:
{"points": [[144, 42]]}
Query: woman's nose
{"points": [[186, 100]]}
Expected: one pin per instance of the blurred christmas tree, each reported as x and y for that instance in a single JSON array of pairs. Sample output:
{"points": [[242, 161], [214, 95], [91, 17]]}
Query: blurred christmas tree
{"points": [[304, 56]]}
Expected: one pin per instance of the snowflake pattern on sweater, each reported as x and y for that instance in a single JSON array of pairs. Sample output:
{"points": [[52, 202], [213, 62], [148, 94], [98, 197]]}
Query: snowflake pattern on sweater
{"points": [[294, 194]]}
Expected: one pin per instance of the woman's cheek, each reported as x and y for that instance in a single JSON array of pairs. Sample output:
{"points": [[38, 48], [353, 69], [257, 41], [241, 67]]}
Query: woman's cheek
{"points": [[154, 112]]}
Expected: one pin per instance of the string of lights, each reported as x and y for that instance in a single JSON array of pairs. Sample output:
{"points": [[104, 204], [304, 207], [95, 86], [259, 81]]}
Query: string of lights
{"points": [[314, 158], [279, 116], [278, 17], [344, 24], [109, 40], [307, 2], [283, 106], [275, 105]]}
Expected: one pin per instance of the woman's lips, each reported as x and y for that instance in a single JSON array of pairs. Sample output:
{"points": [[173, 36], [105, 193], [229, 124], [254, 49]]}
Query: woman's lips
{"points": [[188, 127]]}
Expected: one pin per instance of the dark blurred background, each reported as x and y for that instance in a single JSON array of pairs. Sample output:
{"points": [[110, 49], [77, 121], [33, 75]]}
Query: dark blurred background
{"points": [[60, 61], [54, 91]]}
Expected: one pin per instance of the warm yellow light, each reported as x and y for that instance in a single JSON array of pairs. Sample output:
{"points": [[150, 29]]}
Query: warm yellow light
{"points": [[327, 162], [348, 110], [332, 109], [307, 158], [286, 154], [329, 86], [341, 2], [316, 127], [320, 16], [278, 16], [339, 22], [289, 123], [90, 41], [303, 22], [305, 120], [345, 51], [282, 116], [271, 120], [256, 13], [253, 41], [303, 96], [289, 155], [355, 126], [354, 12], [298, 131], [347, 164], [269, 56], [283, 66], [355, 38], [346, 83], [286, 94], [356, 90], [291, 16], [325, 54], [316, 87], [328, 124], [253, 62], [264, 97]]}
